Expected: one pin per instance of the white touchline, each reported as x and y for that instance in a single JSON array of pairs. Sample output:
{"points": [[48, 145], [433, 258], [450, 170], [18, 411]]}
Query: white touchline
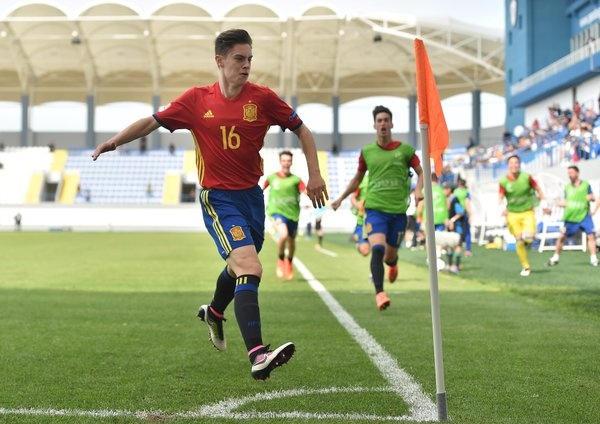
{"points": [[422, 408], [327, 252]]}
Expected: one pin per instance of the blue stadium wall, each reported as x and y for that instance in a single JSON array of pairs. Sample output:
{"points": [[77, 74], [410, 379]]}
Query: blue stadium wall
{"points": [[539, 33]]}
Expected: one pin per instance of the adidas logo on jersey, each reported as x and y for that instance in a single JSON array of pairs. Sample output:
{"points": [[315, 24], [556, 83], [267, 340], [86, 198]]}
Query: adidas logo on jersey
{"points": [[209, 114]]}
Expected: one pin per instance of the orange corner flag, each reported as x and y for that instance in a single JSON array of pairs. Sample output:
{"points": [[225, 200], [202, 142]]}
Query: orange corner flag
{"points": [[430, 107]]}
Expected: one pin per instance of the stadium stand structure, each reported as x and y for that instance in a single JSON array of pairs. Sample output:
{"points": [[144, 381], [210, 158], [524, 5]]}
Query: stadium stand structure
{"points": [[153, 177], [22, 174], [36, 177]]}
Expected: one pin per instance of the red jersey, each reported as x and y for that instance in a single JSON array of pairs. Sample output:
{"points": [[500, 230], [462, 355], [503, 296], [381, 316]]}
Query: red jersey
{"points": [[228, 133]]}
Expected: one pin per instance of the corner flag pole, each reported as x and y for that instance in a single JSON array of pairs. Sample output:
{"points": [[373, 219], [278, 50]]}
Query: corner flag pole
{"points": [[442, 408], [434, 140]]}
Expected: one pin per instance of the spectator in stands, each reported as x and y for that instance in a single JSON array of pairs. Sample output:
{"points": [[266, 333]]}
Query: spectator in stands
{"points": [[83, 195], [149, 191], [18, 218], [577, 217], [229, 121], [388, 163], [519, 189], [283, 207], [143, 145], [172, 149], [471, 143]]}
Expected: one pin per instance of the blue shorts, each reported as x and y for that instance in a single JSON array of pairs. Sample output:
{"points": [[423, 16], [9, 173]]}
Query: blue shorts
{"points": [[587, 226], [234, 218], [392, 225], [440, 227], [292, 226], [359, 234]]}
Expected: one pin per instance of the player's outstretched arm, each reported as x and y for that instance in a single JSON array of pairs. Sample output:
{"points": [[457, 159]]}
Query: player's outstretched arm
{"points": [[139, 128], [352, 186]]}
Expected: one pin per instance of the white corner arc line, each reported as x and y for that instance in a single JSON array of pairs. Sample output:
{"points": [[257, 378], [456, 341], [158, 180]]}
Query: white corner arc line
{"points": [[226, 409], [421, 407]]}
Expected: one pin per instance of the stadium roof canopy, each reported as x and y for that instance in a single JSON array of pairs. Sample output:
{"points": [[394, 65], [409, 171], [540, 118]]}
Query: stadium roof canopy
{"points": [[116, 54]]}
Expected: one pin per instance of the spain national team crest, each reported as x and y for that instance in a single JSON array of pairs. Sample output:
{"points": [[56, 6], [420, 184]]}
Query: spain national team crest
{"points": [[237, 233], [250, 112]]}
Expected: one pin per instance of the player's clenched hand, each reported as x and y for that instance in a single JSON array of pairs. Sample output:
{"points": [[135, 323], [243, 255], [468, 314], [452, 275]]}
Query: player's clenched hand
{"points": [[317, 191], [103, 148], [336, 204]]}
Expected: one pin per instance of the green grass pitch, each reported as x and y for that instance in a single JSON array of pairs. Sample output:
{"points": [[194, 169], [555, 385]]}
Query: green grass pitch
{"points": [[101, 327]]}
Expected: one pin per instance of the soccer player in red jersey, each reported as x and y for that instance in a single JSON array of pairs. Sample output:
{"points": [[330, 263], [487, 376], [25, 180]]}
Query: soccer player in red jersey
{"points": [[228, 121]]}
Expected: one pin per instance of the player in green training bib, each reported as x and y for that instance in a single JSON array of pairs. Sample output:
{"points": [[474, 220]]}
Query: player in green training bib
{"points": [[464, 197], [284, 208], [578, 195], [519, 189], [388, 195]]}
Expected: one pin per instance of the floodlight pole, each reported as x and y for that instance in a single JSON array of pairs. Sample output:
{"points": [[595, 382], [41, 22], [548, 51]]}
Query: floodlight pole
{"points": [[442, 409]]}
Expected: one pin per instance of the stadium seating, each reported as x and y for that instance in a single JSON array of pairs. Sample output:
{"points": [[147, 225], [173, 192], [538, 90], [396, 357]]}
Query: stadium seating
{"points": [[123, 178], [549, 230]]}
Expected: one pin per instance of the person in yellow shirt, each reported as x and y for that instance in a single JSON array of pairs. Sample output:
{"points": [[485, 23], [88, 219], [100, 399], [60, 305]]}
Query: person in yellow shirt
{"points": [[522, 194]]}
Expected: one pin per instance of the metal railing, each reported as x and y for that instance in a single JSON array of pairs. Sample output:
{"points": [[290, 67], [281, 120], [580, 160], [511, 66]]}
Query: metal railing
{"points": [[576, 56]]}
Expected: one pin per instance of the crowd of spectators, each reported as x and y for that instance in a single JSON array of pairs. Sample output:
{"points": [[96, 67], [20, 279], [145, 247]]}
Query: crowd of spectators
{"points": [[574, 131]]}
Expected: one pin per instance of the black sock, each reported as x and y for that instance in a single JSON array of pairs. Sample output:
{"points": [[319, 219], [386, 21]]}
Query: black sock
{"points": [[449, 256], [247, 312], [320, 240], [458, 260], [377, 266], [392, 263], [223, 292]]}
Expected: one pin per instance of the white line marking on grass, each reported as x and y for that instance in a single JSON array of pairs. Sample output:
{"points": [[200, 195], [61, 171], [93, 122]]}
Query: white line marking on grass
{"points": [[226, 409], [326, 252], [421, 407]]}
